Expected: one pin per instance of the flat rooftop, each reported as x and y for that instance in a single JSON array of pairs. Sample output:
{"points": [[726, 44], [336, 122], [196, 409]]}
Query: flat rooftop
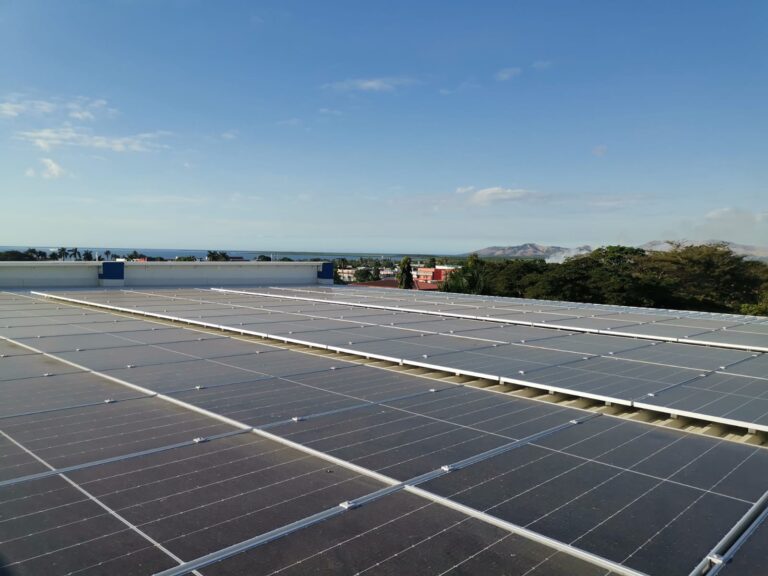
{"points": [[354, 430]]}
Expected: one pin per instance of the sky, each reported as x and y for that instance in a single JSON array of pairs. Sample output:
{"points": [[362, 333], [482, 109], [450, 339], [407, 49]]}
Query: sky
{"points": [[397, 126]]}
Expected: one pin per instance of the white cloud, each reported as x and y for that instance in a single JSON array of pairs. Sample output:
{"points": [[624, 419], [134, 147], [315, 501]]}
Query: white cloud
{"points": [[51, 170], [495, 195], [229, 135], [541, 64], [330, 112], [600, 150], [50, 138], [369, 84], [13, 107], [507, 74], [86, 109], [79, 108]]}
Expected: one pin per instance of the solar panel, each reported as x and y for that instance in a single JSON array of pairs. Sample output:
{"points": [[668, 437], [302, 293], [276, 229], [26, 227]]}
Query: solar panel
{"points": [[355, 468]]}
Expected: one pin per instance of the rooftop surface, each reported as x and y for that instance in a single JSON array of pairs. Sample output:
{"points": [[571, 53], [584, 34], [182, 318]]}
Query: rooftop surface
{"points": [[268, 430]]}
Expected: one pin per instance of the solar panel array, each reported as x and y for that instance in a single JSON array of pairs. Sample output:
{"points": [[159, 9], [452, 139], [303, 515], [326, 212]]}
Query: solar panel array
{"points": [[132, 446], [726, 385]]}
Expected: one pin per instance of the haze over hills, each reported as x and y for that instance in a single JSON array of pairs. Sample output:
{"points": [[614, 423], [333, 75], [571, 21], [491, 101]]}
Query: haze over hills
{"points": [[741, 249], [532, 250], [560, 253]]}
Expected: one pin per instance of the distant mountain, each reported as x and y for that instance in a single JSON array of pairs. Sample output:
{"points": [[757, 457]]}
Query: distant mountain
{"points": [[530, 250], [741, 249], [560, 253]]}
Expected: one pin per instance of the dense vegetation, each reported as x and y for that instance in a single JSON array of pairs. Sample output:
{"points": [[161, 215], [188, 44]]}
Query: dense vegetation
{"points": [[707, 277]]}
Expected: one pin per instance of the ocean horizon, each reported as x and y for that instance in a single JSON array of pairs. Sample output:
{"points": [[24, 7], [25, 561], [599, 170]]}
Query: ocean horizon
{"points": [[171, 253]]}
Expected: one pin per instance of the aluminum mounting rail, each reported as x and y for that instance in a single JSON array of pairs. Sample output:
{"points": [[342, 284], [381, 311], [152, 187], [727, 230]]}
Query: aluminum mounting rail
{"points": [[552, 325], [519, 381], [386, 480], [411, 485]]}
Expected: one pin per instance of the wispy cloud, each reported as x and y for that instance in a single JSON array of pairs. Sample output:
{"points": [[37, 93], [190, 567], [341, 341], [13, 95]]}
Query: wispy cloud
{"points": [[600, 150], [229, 135], [51, 170], [541, 64], [50, 138], [508, 73], [330, 112], [87, 109], [79, 108], [14, 107], [496, 195], [388, 84]]}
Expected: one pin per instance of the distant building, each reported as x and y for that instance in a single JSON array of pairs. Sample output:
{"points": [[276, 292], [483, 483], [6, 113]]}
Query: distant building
{"points": [[347, 274], [433, 275]]}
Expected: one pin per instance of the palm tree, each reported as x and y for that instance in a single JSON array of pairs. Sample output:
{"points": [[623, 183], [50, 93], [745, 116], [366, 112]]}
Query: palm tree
{"points": [[107, 255], [62, 253], [74, 253], [87, 255]]}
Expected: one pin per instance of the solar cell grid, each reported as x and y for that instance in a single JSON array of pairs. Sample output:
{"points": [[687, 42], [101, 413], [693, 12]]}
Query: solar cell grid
{"points": [[31, 366], [590, 501], [69, 533], [369, 540], [590, 484], [266, 402], [58, 392], [684, 325], [83, 435], [197, 503]]}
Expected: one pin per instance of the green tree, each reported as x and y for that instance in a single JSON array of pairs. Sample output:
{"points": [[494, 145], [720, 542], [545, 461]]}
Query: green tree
{"points": [[74, 253], [760, 308], [217, 256], [363, 275], [107, 255], [15, 256], [702, 277], [431, 263], [88, 255], [405, 274], [472, 278], [63, 253], [263, 258], [376, 271], [336, 276]]}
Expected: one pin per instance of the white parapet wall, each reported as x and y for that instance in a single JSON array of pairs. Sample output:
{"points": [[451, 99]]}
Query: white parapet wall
{"points": [[40, 274], [86, 274], [220, 273]]}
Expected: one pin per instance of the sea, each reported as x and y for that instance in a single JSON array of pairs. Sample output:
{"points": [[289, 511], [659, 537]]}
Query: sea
{"points": [[171, 253]]}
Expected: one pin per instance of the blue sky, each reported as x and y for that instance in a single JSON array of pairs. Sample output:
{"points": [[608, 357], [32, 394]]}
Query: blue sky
{"points": [[382, 126]]}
